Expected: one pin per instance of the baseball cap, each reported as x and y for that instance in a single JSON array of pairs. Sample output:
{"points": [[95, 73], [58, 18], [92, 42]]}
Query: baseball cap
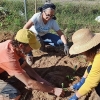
{"points": [[27, 36]]}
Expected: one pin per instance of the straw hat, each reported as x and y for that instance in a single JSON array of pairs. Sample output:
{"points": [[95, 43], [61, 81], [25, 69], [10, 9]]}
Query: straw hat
{"points": [[83, 40]]}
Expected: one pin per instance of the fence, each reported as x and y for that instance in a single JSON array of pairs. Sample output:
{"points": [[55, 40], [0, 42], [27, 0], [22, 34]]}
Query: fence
{"points": [[71, 14], [17, 12]]}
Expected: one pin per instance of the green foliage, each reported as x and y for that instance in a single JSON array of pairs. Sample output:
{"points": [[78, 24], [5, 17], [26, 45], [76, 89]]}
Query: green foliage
{"points": [[70, 16], [75, 16], [69, 77], [13, 20]]}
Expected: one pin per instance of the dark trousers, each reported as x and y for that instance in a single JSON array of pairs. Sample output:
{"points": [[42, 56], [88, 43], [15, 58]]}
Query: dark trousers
{"points": [[98, 87]]}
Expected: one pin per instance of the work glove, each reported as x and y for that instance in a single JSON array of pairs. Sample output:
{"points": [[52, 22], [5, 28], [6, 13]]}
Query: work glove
{"points": [[41, 41], [66, 49], [74, 97], [79, 84]]}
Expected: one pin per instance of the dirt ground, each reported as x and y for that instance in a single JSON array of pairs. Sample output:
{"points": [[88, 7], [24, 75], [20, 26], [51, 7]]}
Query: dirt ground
{"points": [[57, 68]]}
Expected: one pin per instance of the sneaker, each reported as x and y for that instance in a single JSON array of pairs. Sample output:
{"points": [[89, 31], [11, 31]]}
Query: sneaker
{"points": [[29, 60]]}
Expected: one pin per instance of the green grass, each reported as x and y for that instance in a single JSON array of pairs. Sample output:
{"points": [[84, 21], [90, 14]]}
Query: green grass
{"points": [[70, 16], [78, 16]]}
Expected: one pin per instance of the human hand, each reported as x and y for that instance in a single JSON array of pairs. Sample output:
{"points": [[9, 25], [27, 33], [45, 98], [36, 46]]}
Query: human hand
{"points": [[66, 49], [59, 92], [41, 41], [74, 97], [79, 84]]}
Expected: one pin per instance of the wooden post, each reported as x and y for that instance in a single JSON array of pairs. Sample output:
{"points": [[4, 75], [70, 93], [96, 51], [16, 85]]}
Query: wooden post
{"points": [[25, 10], [35, 6]]}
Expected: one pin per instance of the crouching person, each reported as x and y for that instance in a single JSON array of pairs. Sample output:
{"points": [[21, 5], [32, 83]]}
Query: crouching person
{"points": [[88, 44], [11, 51]]}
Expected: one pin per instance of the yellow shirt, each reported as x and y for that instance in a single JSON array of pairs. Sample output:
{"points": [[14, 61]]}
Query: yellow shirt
{"points": [[93, 78]]}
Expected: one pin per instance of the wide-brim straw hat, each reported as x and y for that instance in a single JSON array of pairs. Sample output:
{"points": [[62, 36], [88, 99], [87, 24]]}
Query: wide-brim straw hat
{"points": [[83, 40]]}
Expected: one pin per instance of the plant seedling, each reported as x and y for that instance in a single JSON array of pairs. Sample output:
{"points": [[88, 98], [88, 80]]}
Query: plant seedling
{"points": [[65, 89], [70, 77], [75, 68]]}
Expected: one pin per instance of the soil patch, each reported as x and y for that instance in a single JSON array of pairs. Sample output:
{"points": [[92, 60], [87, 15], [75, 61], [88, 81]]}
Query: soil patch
{"points": [[56, 68]]}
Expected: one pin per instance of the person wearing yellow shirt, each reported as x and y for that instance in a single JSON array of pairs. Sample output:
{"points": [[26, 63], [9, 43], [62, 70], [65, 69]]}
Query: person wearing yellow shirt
{"points": [[88, 44]]}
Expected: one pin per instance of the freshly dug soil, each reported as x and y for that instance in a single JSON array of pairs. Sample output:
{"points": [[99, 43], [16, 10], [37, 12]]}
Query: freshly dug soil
{"points": [[55, 67]]}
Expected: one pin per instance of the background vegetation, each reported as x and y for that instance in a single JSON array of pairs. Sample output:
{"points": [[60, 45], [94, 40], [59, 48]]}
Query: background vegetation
{"points": [[70, 16]]}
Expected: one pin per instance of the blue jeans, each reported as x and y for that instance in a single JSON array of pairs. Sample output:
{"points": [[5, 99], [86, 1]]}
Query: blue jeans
{"points": [[12, 91], [52, 39], [98, 89], [9, 89]]}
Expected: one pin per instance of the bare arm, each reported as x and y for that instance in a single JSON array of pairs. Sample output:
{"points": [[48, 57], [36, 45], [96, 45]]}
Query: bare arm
{"points": [[28, 24], [60, 33], [16, 70], [30, 71], [23, 77]]}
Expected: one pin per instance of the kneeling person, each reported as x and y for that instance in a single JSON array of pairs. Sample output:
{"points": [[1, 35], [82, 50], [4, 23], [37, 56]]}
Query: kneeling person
{"points": [[11, 51]]}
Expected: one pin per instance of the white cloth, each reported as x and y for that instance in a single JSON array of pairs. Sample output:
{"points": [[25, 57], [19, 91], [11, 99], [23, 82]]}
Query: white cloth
{"points": [[97, 18], [2, 85], [39, 27]]}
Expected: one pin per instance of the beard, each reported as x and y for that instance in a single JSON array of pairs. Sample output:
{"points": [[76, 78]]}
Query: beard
{"points": [[22, 51]]}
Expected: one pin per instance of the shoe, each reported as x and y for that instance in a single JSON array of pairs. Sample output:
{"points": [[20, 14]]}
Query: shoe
{"points": [[29, 60]]}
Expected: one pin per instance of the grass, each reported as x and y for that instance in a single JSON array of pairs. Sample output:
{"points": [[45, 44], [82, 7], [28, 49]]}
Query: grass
{"points": [[70, 16]]}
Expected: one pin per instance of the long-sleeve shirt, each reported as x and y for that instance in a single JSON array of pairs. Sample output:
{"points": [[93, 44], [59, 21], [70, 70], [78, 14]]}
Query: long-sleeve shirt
{"points": [[93, 78]]}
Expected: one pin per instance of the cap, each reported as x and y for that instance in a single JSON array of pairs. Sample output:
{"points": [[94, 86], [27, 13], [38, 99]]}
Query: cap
{"points": [[27, 36]]}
